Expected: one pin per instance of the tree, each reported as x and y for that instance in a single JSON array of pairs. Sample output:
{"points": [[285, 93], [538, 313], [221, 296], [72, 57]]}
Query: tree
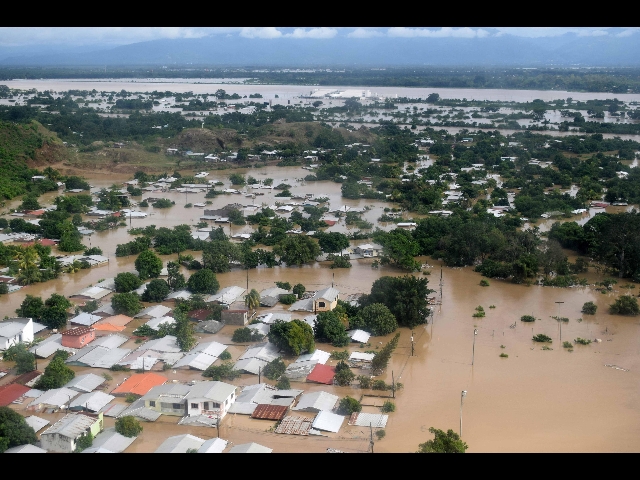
{"points": [[175, 279], [30, 202], [252, 300], [625, 305], [203, 281], [344, 376], [183, 330], [25, 360], [294, 337], [405, 297], [70, 241], [297, 250], [246, 334], [283, 285], [148, 265], [31, 307], [126, 303], [283, 383], [443, 443], [377, 319], [274, 369], [56, 374], [127, 282], [328, 328], [399, 248], [128, 426], [156, 291], [237, 179], [589, 308], [299, 289], [333, 242], [224, 371], [381, 359], [54, 313], [349, 405], [14, 430], [84, 442]]}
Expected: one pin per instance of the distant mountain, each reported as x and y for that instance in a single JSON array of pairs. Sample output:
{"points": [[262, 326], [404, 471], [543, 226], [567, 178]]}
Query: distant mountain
{"points": [[234, 50]]}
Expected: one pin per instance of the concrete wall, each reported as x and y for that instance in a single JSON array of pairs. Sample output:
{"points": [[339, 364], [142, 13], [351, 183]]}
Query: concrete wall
{"points": [[235, 317]]}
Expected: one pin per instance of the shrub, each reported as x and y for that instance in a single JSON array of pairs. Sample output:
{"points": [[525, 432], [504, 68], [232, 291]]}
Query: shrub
{"points": [[381, 434], [582, 341], [344, 376], [625, 305], [283, 383], [225, 371], [131, 397], [504, 355], [479, 312], [339, 355], [364, 381], [567, 344], [288, 299], [274, 369], [225, 355], [484, 283], [388, 407], [541, 337], [128, 426], [527, 318], [245, 334]]}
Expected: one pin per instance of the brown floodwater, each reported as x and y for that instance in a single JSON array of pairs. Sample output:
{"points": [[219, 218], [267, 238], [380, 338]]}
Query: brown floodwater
{"points": [[533, 401]]}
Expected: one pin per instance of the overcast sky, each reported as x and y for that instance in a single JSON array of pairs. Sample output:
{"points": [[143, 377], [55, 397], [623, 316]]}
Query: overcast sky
{"points": [[23, 36]]}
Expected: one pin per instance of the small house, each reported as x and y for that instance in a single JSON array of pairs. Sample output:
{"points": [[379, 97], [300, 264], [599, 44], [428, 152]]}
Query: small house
{"points": [[235, 317], [63, 435], [14, 331], [78, 337]]}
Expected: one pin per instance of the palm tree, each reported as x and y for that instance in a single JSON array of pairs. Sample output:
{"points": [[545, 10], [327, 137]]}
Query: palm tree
{"points": [[27, 259], [252, 300]]}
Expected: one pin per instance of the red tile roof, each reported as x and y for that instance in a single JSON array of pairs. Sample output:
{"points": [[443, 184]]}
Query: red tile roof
{"points": [[331, 223], [140, 384], [11, 392], [26, 377], [270, 412], [322, 374], [200, 314]]}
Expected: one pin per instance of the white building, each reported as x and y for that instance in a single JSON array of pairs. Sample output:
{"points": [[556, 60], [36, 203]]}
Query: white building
{"points": [[14, 331]]}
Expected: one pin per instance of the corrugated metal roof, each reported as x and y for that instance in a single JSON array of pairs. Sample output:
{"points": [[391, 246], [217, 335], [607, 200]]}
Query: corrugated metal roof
{"points": [[213, 445], [93, 401], [26, 449], [112, 440], [261, 328], [318, 356], [153, 312], [49, 346], [216, 391], [298, 372], [328, 421], [36, 423], [96, 450], [322, 374], [361, 356], [250, 448], [85, 383], [137, 409], [113, 409], [72, 425], [376, 420], [227, 295], [210, 348], [180, 444], [316, 402], [292, 425], [98, 356], [250, 365], [95, 293], [110, 341], [155, 323], [195, 360], [270, 412], [359, 336], [242, 408], [55, 397], [257, 393], [264, 351], [164, 344], [11, 392]]}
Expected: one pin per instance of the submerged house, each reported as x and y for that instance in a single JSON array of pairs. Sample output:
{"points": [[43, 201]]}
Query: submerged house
{"points": [[323, 301], [63, 435]]}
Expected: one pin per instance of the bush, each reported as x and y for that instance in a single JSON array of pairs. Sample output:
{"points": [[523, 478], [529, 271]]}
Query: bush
{"points": [[245, 334], [283, 383], [504, 355], [344, 376], [349, 405], [225, 371], [131, 397], [163, 203], [381, 434], [582, 341], [388, 407], [225, 355], [84, 442], [339, 355], [364, 381], [288, 299], [567, 344], [128, 426], [541, 337], [283, 285], [625, 305], [274, 369], [527, 318], [484, 283], [479, 312]]}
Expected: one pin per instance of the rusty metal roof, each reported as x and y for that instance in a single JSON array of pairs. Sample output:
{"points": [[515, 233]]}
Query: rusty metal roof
{"points": [[270, 412], [294, 425]]}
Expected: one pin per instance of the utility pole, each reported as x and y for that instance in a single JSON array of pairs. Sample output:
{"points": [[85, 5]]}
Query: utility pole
{"points": [[559, 319], [218, 425], [259, 371], [247, 278], [462, 395], [475, 333], [412, 343], [371, 436], [333, 277], [393, 385]]}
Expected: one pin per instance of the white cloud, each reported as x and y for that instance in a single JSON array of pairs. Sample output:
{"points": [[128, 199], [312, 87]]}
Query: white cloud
{"points": [[628, 32], [592, 33], [322, 32], [260, 32], [364, 33], [464, 32], [537, 32]]}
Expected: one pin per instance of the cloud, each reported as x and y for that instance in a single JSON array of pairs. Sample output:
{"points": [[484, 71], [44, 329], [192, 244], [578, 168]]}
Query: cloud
{"points": [[444, 32], [628, 32], [592, 33], [537, 32], [260, 32], [321, 32], [364, 33]]}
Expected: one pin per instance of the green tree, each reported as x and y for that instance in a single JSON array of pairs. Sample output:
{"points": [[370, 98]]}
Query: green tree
{"points": [[405, 297], [70, 240], [328, 328], [31, 307], [449, 442], [56, 374], [128, 426], [625, 305], [252, 300], [283, 285], [14, 430], [30, 202], [183, 330], [283, 383], [84, 442], [148, 265], [377, 319], [274, 369], [399, 248], [344, 376], [333, 242], [237, 179], [382, 357], [126, 303], [589, 308], [297, 250], [299, 289], [127, 282], [156, 291], [224, 371], [25, 360], [203, 281], [349, 405], [54, 313], [294, 337], [175, 279]]}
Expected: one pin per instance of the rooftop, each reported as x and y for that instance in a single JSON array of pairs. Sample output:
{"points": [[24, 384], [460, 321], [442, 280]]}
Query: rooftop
{"points": [[139, 383]]}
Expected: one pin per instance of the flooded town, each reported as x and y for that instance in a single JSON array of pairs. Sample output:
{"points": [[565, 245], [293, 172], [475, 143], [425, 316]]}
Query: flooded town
{"points": [[198, 266]]}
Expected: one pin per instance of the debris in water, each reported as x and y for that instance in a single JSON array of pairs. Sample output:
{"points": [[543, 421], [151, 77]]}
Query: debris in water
{"points": [[617, 368]]}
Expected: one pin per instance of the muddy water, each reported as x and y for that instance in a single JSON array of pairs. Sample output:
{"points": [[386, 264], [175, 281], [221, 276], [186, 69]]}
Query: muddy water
{"points": [[534, 400]]}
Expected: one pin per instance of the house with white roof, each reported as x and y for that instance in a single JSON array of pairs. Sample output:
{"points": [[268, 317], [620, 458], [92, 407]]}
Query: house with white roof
{"points": [[63, 435], [227, 295], [322, 301], [14, 331]]}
